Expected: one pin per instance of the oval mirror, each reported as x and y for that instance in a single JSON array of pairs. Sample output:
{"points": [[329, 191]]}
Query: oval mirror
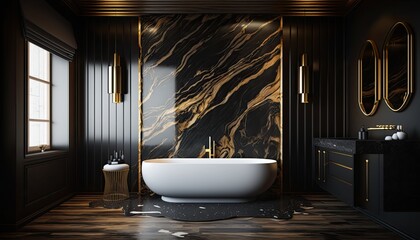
{"points": [[368, 78], [398, 69]]}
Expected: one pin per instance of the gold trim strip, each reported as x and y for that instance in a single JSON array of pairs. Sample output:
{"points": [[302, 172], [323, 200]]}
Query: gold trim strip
{"points": [[367, 180], [341, 165], [342, 154], [319, 165], [140, 106], [324, 161], [281, 106], [341, 180]]}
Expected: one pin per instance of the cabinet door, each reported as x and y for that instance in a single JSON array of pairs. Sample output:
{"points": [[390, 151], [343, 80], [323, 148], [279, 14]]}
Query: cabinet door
{"points": [[368, 187], [340, 176], [334, 173]]}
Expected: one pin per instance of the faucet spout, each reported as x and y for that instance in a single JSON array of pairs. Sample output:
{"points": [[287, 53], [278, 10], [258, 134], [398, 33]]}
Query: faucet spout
{"points": [[211, 150]]}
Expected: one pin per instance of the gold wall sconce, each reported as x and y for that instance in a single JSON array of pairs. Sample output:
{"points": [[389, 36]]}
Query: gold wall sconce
{"points": [[115, 80], [304, 80]]}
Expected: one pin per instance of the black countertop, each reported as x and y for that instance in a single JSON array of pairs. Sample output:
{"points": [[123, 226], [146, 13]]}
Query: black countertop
{"points": [[355, 146]]}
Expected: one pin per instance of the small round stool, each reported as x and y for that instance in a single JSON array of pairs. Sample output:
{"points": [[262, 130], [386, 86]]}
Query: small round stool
{"points": [[116, 187]]}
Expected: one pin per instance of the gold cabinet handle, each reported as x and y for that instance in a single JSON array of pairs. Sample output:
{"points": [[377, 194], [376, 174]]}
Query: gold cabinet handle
{"points": [[319, 165], [367, 179], [324, 158]]}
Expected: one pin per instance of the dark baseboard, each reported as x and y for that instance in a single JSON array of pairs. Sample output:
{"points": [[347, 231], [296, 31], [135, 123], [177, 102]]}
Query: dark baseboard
{"points": [[22, 222], [9, 227], [386, 225]]}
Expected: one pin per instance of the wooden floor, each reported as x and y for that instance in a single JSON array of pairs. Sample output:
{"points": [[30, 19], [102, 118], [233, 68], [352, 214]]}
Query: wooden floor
{"points": [[329, 219]]}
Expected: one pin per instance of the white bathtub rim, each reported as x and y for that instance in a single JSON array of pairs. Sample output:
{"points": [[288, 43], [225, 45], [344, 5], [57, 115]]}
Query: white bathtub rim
{"points": [[209, 180], [209, 161]]}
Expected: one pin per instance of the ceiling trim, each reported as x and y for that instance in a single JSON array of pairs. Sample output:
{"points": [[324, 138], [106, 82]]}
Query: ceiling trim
{"points": [[142, 7]]}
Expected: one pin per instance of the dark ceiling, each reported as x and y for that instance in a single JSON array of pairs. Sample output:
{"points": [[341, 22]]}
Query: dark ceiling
{"points": [[139, 7]]}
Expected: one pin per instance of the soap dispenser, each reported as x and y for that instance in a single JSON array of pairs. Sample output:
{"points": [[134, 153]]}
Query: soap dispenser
{"points": [[363, 133]]}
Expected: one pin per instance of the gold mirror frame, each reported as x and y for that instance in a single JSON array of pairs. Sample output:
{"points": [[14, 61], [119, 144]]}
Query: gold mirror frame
{"points": [[377, 77], [409, 59]]}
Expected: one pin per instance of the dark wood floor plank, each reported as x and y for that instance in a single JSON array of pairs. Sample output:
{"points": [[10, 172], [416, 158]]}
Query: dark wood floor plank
{"points": [[74, 219]]}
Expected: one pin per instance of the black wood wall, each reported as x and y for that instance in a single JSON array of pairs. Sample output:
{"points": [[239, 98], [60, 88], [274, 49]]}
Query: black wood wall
{"points": [[32, 182], [375, 26], [10, 39], [110, 126], [325, 115]]}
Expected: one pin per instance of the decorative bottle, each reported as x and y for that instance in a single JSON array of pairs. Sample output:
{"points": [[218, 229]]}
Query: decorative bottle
{"points": [[363, 133]]}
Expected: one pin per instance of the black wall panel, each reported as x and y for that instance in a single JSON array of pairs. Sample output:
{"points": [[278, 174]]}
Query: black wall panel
{"points": [[375, 26], [325, 114], [109, 126]]}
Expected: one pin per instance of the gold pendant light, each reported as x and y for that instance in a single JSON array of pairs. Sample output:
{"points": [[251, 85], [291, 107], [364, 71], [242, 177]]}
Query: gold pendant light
{"points": [[114, 79], [303, 74], [114, 73]]}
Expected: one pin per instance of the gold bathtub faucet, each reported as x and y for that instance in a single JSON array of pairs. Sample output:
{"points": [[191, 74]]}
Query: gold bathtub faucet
{"points": [[383, 127], [212, 148]]}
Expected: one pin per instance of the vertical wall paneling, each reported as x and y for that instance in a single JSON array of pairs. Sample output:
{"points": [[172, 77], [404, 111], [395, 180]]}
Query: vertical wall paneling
{"points": [[96, 85], [109, 126], [107, 47], [324, 116]]}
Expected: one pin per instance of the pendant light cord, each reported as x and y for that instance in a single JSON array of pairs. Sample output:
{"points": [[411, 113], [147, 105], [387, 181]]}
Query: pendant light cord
{"points": [[115, 34], [304, 28]]}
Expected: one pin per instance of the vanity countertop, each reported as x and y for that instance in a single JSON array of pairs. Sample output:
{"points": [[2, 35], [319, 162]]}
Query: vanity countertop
{"points": [[356, 146]]}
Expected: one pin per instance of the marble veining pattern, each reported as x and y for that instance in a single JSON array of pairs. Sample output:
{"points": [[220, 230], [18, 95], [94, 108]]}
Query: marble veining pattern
{"points": [[210, 75]]}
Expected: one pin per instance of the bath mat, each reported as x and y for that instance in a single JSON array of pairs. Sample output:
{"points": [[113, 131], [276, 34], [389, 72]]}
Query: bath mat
{"points": [[267, 206]]}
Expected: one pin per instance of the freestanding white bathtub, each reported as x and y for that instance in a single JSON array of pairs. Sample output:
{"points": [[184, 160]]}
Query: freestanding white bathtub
{"points": [[217, 180]]}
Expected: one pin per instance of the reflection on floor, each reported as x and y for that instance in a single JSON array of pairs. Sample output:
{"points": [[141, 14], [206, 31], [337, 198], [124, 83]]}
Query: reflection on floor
{"points": [[74, 219], [268, 205]]}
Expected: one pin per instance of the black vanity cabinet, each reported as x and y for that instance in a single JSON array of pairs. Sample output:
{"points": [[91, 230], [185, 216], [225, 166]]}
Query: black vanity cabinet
{"points": [[379, 178]]}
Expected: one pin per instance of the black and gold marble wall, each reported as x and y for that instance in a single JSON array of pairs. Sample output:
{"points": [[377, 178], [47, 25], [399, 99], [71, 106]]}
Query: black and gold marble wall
{"points": [[246, 85], [211, 75]]}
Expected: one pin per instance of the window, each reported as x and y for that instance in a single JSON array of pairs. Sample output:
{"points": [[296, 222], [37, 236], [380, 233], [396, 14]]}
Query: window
{"points": [[39, 98]]}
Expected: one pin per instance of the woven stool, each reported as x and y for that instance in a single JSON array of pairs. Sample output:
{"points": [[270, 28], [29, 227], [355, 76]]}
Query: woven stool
{"points": [[116, 187]]}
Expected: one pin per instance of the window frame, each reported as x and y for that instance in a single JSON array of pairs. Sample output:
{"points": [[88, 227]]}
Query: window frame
{"points": [[35, 149]]}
